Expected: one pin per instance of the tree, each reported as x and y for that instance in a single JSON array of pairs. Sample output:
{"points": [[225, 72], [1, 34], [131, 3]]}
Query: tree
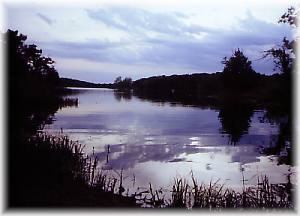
{"points": [[238, 73], [284, 55], [126, 83], [118, 80], [33, 85], [290, 17], [29, 72]]}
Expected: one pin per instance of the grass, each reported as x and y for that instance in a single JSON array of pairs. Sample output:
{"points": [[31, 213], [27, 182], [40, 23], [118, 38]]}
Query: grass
{"points": [[214, 196]]}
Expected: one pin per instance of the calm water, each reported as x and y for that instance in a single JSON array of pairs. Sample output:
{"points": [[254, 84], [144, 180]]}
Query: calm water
{"points": [[156, 142]]}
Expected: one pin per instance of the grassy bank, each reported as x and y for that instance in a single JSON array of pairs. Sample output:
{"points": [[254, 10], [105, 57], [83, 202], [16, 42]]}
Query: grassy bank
{"points": [[53, 172]]}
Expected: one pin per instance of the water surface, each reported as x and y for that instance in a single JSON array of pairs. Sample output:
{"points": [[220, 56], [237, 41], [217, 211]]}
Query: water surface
{"points": [[158, 141]]}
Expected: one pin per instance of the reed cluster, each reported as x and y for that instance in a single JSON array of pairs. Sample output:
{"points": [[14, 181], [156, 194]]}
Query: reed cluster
{"points": [[214, 196]]}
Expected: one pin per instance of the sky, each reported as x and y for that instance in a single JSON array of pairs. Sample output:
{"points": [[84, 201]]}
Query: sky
{"points": [[100, 40]]}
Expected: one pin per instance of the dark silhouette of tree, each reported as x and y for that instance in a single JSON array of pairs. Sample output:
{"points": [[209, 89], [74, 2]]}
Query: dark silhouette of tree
{"points": [[290, 17], [118, 80], [284, 57], [238, 73], [33, 84], [26, 61], [127, 82], [124, 84]]}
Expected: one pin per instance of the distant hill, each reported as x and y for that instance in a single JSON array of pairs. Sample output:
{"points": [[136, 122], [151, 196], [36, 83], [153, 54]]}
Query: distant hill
{"points": [[67, 82]]}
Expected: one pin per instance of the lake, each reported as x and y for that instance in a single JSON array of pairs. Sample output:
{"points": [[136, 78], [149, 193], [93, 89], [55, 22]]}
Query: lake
{"points": [[155, 142]]}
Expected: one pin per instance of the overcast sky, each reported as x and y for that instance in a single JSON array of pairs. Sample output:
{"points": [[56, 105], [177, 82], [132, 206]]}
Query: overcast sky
{"points": [[104, 39]]}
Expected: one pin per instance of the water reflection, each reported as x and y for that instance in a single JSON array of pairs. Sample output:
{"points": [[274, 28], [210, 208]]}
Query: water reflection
{"points": [[234, 115], [124, 156], [235, 118], [282, 146], [150, 138], [122, 95]]}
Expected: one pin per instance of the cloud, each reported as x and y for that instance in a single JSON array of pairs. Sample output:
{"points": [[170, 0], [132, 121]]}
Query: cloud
{"points": [[140, 21], [169, 40], [162, 38], [96, 71], [45, 18], [91, 50]]}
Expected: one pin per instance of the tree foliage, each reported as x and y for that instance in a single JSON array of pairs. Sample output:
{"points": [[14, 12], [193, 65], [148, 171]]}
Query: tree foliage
{"points": [[290, 17], [284, 55], [29, 72], [238, 73], [33, 85], [237, 64], [125, 83]]}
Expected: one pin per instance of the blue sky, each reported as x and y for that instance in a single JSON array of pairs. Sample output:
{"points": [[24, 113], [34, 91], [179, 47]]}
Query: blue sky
{"points": [[101, 40]]}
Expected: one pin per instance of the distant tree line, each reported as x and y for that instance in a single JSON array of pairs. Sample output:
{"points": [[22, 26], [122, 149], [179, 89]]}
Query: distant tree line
{"points": [[213, 87], [238, 79], [67, 82]]}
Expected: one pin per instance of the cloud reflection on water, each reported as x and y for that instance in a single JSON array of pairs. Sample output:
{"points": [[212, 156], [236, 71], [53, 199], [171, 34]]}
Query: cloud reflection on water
{"points": [[125, 156], [155, 139]]}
